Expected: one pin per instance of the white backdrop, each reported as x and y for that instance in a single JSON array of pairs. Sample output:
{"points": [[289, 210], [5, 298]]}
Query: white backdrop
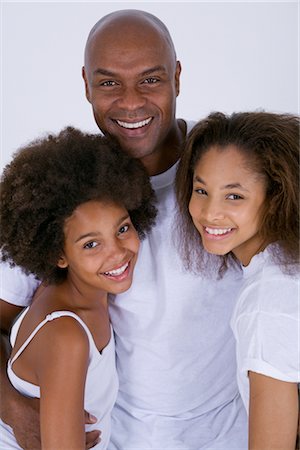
{"points": [[235, 56]]}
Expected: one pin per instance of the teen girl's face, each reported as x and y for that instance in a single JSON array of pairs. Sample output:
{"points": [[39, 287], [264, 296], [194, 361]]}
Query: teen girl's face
{"points": [[226, 203], [101, 247]]}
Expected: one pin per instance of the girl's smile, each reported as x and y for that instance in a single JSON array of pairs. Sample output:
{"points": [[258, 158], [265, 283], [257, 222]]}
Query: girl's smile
{"points": [[101, 247], [226, 203]]}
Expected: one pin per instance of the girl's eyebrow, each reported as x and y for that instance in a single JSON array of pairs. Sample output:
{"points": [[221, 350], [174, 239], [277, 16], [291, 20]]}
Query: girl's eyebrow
{"points": [[87, 235], [226, 186], [234, 186], [93, 234]]}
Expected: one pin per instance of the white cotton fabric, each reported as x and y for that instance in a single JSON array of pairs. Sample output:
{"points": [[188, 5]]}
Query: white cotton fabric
{"points": [[266, 323], [16, 287], [101, 382], [175, 349]]}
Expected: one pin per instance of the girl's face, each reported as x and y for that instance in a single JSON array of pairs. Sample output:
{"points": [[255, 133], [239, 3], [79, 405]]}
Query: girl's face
{"points": [[226, 203], [101, 247]]}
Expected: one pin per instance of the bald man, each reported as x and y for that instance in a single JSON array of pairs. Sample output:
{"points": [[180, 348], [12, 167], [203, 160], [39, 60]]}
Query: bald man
{"points": [[175, 349]]}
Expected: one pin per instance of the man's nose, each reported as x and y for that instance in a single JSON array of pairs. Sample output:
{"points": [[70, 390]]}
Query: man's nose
{"points": [[131, 99]]}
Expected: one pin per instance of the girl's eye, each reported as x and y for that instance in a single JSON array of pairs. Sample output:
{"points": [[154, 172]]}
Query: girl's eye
{"points": [[90, 245], [123, 229], [200, 191], [234, 197]]}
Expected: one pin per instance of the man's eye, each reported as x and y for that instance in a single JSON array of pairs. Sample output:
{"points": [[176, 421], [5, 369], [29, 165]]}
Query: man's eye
{"points": [[151, 80], [123, 229], [90, 245], [108, 83], [234, 197]]}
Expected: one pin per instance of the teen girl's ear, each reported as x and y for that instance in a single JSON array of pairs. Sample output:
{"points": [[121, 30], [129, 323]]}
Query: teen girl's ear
{"points": [[62, 263]]}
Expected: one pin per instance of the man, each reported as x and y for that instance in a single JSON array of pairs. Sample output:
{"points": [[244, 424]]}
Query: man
{"points": [[175, 349]]}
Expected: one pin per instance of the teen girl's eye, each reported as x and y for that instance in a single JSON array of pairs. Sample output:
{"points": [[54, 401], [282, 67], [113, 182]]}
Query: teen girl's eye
{"points": [[123, 229], [90, 245], [234, 197], [200, 191]]}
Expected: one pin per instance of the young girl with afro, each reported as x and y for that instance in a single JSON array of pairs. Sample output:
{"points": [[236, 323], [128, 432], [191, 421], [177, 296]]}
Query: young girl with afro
{"points": [[73, 207], [238, 192]]}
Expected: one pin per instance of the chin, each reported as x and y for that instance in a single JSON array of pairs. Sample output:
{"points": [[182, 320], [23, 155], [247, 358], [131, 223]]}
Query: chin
{"points": [[215, 252], [121, 289]]}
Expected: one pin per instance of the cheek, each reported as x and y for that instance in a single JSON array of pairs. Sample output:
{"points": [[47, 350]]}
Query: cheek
{"points": [[194, 208], [134, 244]]}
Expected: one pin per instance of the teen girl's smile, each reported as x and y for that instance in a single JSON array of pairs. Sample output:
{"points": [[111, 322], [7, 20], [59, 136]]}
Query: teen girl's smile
{"points": [[226, 203], [101, 247]]}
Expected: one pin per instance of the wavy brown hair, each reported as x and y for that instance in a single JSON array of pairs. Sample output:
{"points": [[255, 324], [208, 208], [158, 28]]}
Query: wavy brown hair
{"points": [[270, 145], [48, 179]]}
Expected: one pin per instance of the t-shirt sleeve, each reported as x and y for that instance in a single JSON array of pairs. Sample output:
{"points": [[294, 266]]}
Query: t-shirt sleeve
{"points": [[267, 331], [16, 287]]}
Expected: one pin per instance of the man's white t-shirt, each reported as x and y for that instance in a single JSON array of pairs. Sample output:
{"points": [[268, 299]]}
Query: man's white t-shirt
{"points": [[175, 348], [266, 323]]}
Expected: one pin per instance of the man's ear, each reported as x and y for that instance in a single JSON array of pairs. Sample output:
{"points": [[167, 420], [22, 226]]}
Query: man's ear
{"points": [[87, 92], [177, 77], [62, 262]]}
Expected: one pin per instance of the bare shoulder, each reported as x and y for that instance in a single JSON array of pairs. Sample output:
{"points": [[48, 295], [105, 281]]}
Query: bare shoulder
{"points": [[66, 332]]}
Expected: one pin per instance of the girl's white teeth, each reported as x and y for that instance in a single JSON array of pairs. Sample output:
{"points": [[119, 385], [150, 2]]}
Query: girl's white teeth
{"points": [[217, 231], [117, 272], [134, 125]]}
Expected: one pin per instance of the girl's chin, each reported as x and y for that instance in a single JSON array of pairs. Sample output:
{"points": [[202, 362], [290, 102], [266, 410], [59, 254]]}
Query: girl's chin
{"points": [[214, 251]]}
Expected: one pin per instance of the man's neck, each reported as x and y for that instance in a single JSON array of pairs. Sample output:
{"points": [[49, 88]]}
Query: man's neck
{"points": [[169, 152]]}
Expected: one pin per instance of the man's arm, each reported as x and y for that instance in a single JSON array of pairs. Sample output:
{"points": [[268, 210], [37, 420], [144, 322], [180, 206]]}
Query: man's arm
{"points": [[273, 413], [21, 413]]}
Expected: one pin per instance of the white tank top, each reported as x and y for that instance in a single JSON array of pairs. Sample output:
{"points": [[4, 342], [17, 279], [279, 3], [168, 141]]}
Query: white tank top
{"points": [[101, 382]]}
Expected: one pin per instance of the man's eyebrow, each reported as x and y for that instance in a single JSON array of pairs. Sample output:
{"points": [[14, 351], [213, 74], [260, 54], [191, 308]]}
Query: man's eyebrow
{"points": [[104, 72], [153, 69], [109, 73]]}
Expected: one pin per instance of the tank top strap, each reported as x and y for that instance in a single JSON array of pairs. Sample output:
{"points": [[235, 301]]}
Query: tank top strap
{"points": [[48, 318]]}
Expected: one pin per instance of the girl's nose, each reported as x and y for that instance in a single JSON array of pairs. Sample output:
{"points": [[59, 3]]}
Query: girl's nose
{"points": [[212, 211]]}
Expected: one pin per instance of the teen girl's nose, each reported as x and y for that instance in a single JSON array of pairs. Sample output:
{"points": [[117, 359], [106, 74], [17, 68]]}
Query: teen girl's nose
{"points": [[212, 211], [115, 249]]}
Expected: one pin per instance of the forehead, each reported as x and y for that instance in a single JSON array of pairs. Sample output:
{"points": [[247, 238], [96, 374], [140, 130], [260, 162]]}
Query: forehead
{"points": [[127, 43], [229, 161]]}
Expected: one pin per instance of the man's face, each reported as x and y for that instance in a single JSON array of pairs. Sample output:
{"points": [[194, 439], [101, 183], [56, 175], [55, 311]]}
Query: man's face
{"points": [[132, 81]]}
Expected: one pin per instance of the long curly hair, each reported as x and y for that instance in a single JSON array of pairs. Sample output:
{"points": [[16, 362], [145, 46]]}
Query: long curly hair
{"points": [[48, 179], [270, 143]]}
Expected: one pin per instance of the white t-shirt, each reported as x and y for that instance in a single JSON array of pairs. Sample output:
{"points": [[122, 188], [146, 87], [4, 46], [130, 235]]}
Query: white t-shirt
{"points": [[175, 349], [266, 323]]}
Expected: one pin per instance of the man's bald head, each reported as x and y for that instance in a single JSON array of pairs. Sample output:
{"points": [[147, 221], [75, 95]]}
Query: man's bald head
{"points": [[131, 21], [132, 81]]}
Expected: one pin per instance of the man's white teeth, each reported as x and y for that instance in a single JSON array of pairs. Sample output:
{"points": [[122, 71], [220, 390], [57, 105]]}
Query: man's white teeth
{"points": [[134, 125], [116, 272], [217, 231]]}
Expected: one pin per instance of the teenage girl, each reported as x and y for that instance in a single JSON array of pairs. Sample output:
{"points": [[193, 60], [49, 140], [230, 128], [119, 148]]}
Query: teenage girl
{"points": [[238, 192], [73, 207]]}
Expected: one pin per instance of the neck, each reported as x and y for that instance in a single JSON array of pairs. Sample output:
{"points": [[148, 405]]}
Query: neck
{"points": [[166, 155], [82, 296]]}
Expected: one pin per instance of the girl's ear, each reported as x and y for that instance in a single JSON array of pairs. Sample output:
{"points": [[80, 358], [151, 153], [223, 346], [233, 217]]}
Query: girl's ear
{"points": [[62, 262]]}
